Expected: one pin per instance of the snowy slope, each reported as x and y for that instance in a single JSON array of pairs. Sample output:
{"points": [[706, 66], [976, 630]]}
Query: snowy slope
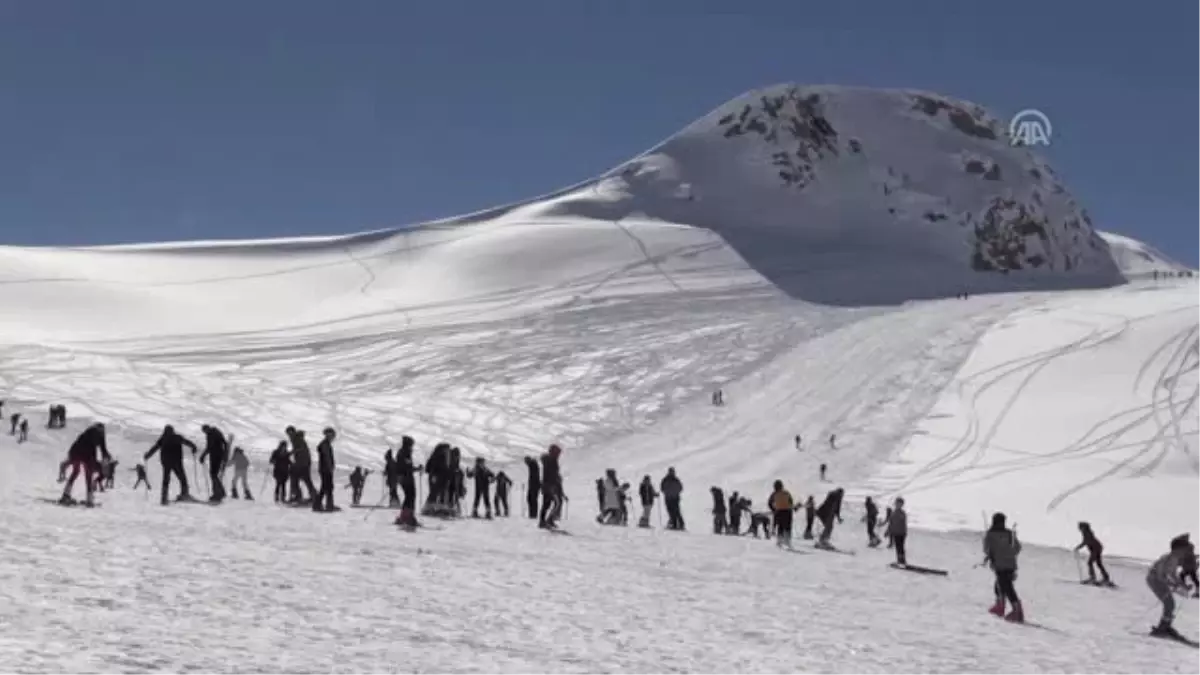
{"points": [[250, 587], [1138, 259], [1080, 407]]}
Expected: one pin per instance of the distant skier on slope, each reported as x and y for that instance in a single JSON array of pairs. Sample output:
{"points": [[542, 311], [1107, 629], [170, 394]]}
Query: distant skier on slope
{"points": [[897, 530], [281, 471], [552, 488], [169, 447], [82, 455], [1158, 579], [672, 491], [810, 514], [782, 505], [503, 484], [358, 479], [798, 439], [1095, 553], [735, 514], [24, 429], [241, 472], [15, 418], [483, 477], [872, 519], [406, 472], [829, 509], [216, 450], [647, 494], [821, 472], [533, 488], [325, 468], [718, 510], [301, 470], [390, 479], [1000, 551]]}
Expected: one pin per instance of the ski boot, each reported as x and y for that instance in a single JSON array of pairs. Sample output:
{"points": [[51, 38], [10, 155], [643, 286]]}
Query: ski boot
{"points": [[1017, 615], [1164, 629], [234, 493], [249, 497], [997, 609]]}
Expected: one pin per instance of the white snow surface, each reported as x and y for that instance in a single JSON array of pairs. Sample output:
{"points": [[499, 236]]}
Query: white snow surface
{"points": [[1137, 259], [601, 317]]}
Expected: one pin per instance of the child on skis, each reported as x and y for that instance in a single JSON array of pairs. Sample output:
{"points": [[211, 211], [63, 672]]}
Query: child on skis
{"points": [[1000, 551], [1159, 581], [140, 469], [1095, 551]]}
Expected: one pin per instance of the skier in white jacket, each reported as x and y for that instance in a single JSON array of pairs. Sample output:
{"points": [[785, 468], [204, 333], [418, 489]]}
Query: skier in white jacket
{"points": [[612, 499]]}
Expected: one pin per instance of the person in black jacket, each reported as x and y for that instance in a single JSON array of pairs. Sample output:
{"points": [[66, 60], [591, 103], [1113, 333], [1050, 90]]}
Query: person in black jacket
{"points": [[503, 483], [325, 467], [169, 447], [1095, 554], [735, 514], [672, 491], [216, 450], [552, 489], [719, 523], [647, 494], [533, 488], [437, 470], [391, 477], [281, 463], [405, 470], [82, 456], [872, 520], [828, 510], [483, 487], [301, 467], [458, 481], [358, 479], [810, 514]]}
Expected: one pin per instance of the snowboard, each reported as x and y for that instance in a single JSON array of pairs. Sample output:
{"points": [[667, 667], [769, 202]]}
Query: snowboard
{"points": [[1099, 584], [410, 528], [920, 570], [70, 504]]}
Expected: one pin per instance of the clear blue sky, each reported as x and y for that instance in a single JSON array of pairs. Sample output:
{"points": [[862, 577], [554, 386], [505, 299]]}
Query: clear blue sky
{"points": [[139, 120]]}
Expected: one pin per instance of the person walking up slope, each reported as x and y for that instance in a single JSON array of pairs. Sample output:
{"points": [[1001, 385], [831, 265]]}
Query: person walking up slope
{"points": [[1095, 553], [1000, 551]]}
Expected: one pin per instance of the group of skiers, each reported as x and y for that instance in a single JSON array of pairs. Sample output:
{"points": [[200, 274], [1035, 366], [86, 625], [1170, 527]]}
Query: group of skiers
{"points": [[545, 500]]}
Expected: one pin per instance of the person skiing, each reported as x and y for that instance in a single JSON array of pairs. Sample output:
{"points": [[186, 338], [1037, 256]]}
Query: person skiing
{"points": [[646, 494], [503, 483], [169, 447], [1095, 553], [15, 418], [437, 472], [552, 488], [798, 440], [325, 467], [241, 472], [24, 429], [760, 520], [897, 530], [672, 490], [1158, 578], [483, 486], [1000, 551], [533, 488], [810, 514], [887, 519], [82, 456], [358, 478], [108, 473], [718, 511], [871, 518], [610, 499], [216, 450], [599, 499], [821, 471], [281, 471], [833, 441], [140, 469], [782, 504], [405, 476], [829, 509]]}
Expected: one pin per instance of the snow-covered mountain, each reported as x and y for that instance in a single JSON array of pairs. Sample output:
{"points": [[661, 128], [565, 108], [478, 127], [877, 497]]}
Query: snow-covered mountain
{"points": [[801, 248], [1138, 259]]}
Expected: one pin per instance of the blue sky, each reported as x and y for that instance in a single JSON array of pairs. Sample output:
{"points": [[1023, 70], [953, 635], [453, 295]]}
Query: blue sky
{"points": [[138, 120]]}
